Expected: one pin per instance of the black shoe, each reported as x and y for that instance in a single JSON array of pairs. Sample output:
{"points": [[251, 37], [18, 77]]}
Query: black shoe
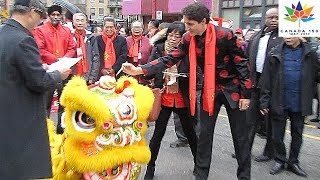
{"points": [[149, 173], [179, 143], [314, 120], [295, 168], [233, 155], [277, 168], [262, 158]]}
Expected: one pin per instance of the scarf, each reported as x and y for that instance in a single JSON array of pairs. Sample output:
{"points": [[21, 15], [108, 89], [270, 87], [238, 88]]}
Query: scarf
{"points": [[58, 50], [209, 71], [174, 88], [134, 48], [82, 66], [109, 51]]}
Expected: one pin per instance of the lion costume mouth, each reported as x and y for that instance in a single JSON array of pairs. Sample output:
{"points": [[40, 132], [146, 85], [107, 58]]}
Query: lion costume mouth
{"points": [[123, 172]]}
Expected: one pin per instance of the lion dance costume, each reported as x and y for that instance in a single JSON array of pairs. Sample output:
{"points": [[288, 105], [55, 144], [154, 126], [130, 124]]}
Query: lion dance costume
{"points": [[104, 130]]}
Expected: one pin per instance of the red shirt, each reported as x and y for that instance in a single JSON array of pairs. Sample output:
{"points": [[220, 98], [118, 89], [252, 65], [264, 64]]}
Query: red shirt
{"points": [[173, 100]]}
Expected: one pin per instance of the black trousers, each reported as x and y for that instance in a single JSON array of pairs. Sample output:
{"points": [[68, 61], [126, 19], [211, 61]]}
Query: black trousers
{"points": [[254, 119], [239, 130], [279, 125], [161, 126], [48, 101]]}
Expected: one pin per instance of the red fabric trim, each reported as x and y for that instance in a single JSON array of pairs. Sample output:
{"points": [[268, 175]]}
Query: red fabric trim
{"points": [[109, 51], [209, 71], [82, 65]]}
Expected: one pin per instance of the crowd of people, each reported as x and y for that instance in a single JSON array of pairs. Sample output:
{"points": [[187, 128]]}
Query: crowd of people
{"points": [[199, 66]]}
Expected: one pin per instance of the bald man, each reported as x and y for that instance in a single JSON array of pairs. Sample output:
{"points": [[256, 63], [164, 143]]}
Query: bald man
{"points": [[259, 46]]}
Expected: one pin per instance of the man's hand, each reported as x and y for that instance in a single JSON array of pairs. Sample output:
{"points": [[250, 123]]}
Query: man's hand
{"points": [[45, 66], [64, 73], [107, 71], [130, 69], [244, 104], [264, 111]]}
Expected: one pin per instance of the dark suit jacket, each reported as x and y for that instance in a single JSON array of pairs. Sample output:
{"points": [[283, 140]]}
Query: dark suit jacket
{"points": [[120, 46]]}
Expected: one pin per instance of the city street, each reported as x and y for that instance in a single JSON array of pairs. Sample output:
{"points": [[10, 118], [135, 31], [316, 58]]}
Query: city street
{"points": [[177, 164]]}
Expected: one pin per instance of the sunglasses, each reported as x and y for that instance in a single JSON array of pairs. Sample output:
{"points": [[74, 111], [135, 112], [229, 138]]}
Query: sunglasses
{"points": [[39, 12]]}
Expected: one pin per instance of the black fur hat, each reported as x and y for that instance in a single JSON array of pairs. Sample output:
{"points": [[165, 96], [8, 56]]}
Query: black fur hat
{"points": [[53, 8]]}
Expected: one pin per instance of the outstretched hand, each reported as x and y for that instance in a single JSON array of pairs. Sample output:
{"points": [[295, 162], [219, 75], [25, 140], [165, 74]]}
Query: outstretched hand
{"points": [[130, 69]]}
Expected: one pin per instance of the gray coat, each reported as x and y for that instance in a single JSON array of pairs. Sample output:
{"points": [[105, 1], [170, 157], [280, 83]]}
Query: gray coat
{"points": [[93, 58], [24, 145]]}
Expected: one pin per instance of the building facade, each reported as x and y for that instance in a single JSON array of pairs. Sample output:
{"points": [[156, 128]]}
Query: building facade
{"points": [[246, 13]]}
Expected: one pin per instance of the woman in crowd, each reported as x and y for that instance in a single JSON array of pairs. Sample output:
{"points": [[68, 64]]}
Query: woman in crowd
{"points": [[172, 99]]}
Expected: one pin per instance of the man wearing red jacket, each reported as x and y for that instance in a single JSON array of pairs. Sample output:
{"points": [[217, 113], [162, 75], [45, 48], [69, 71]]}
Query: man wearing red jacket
{"points": [[54, 41]]}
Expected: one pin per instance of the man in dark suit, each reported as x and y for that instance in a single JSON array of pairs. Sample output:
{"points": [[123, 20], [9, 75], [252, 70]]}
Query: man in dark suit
{"points": [[24, 142], [226, 82], [259, 45], [113, 48]]}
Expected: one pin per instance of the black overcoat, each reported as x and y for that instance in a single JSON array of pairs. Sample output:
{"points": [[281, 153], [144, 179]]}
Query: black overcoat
{"points": [[24, 144]]}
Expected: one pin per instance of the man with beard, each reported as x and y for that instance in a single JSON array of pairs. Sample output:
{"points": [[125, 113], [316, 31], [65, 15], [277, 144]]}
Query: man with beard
{"points": [[87, 48], [139, 47], [259, 46], [54, 41], [112, 48]]}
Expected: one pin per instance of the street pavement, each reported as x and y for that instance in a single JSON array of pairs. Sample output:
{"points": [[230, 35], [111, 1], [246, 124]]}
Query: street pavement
{"points": [[177, 164]]}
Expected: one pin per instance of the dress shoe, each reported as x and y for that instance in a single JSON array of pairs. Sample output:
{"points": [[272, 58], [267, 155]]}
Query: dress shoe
{"points": [[262, 158], [277, 168], [179, 143], [149, 173], [295, 168]]}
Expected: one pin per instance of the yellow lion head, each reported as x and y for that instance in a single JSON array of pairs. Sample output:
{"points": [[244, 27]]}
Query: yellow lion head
{"points": [[104, 128]]}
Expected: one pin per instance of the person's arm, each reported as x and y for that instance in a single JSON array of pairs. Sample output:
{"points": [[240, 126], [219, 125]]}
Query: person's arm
{"points": [[46, 56], [71, 47], [265, 87], [28, 62], [160, 64], [241, 63], [94, 72]]}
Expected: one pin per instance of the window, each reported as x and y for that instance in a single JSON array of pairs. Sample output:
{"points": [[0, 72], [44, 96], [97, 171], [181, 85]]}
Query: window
{"points": [[101, 12], [112, 10], [93, 11], [101, 1], [253, 2], [252, 12], [272, 2], [230, 3]]}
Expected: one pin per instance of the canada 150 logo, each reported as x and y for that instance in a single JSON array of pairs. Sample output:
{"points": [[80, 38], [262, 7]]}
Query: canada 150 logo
{"points": [[299, 13]]}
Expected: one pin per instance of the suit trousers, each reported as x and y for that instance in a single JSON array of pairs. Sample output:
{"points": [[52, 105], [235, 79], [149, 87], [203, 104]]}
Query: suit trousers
{"points": [[279, 125], [161, 126], [239, 130], [254, 118]]}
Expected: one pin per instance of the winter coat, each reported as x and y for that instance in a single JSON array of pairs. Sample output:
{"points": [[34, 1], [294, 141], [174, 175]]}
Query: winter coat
{"points": [[252, 51], [93, 57], [44, 37], [121, 48], [24, 143], [271, 81]]}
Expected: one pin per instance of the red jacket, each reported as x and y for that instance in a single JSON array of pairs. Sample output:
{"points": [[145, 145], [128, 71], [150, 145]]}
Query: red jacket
{"points": [[44, 37], [173, 100]]}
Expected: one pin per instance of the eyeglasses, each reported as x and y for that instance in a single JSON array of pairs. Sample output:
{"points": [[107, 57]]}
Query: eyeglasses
{"points": [[38, 12]]}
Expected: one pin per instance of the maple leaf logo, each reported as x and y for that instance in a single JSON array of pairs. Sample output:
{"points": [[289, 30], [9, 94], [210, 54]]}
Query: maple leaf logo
{"points": [[299, 13]]}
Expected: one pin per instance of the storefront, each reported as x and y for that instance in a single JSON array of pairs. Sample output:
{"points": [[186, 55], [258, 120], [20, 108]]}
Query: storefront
{"points": [[246, 13]]}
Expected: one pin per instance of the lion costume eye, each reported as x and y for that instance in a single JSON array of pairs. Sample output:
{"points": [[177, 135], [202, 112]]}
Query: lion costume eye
{"points": [[83, 122]]}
